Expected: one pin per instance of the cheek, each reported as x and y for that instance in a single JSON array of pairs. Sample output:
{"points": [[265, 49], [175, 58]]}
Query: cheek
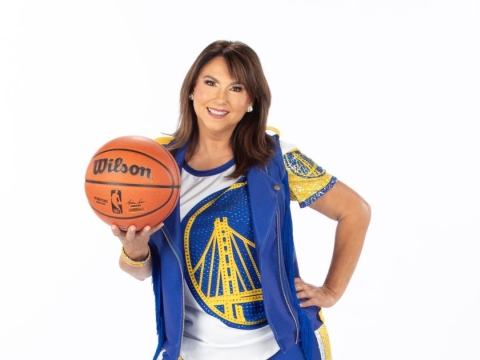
{"points": [[242, 102], [200, 95], [203, 92]]}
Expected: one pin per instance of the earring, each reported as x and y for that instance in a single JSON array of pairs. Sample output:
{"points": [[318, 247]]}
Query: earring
{"points": [[249, 109], [190, 96]]}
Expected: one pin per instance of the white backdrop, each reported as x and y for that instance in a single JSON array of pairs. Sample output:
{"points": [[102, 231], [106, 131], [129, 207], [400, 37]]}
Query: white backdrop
{"points": [[383, 94]]}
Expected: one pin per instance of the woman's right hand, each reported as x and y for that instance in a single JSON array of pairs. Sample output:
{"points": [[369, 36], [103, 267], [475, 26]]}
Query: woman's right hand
{"points": [[135, 243], [135, 246]]}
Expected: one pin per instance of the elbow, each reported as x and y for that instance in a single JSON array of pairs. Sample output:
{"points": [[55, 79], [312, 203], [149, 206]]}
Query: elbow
{"points": [[364, 214], [367, 209]]}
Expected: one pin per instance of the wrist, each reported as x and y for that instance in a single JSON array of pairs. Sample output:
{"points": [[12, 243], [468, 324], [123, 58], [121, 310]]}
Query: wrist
{"points": [[135, 260]]}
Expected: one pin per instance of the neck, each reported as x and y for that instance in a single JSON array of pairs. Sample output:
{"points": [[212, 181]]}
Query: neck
{"points": [[210, 154]]}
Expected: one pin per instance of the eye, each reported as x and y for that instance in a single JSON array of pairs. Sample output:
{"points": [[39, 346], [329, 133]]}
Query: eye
{"points": [[210, 82], [236, 88]]}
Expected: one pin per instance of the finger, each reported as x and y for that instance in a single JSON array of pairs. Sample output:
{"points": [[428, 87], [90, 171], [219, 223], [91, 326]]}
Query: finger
{"points": [[302, 285], [310, 302], [145, 231], [299, 286], [311, 297], [148, 230], [302, 295], [306, 292], [158, 227], [299, 282], [131, 232], [116, 230]]}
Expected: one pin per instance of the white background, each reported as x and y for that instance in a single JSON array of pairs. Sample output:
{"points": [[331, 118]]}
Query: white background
{"points": [[383, 94]]}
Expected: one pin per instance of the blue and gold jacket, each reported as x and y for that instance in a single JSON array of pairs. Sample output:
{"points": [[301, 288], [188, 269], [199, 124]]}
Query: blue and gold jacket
{"points": [[272, 232]]}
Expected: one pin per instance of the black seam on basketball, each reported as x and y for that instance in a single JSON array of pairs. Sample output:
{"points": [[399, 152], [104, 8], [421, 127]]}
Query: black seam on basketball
{"points": [[132, 185]]}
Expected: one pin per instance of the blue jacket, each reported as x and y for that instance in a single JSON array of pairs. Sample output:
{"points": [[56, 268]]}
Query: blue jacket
{"points": [[268, 187]]}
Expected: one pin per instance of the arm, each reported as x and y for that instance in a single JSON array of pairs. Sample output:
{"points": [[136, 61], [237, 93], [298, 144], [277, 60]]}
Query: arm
{"points": [[135, 245], [352, 214]]}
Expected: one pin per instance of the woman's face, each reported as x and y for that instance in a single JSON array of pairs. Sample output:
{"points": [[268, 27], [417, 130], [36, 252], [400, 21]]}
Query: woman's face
{"points": [[219, 101]]}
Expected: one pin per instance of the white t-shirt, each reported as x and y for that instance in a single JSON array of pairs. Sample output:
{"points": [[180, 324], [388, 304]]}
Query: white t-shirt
{"points": [[224, 314]]}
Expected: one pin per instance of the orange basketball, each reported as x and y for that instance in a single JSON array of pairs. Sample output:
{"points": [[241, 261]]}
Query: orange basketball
{"points": [[132, 180]]}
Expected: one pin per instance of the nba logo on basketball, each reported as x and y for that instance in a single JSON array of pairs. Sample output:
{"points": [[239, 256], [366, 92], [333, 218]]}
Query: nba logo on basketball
{"points": [[116, 201]]}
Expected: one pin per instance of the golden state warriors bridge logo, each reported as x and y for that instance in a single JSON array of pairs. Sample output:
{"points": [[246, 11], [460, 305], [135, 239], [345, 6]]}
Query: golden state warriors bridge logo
{"points": [[220, 258], [302, 166]]}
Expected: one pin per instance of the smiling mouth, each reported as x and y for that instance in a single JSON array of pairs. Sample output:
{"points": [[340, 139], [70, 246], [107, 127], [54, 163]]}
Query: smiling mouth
{"points": [[217, 112]]}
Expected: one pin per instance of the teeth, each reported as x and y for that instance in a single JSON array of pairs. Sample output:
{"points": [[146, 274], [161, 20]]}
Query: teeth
{"points": [[215, 112]]}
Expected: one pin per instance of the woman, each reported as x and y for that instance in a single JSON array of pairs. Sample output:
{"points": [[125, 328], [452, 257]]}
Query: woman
{"points": [[223, 267]]}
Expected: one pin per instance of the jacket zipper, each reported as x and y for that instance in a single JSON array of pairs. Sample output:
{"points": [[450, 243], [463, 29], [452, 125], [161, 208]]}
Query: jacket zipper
{"points": [[183, 290], [281, 278]]}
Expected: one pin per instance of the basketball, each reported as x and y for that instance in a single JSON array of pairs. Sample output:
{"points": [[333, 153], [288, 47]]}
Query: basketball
{"points": [[132, 180]]}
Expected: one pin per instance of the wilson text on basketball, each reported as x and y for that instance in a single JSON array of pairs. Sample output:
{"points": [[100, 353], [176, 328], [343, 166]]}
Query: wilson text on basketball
{"points": [[118, 166]]}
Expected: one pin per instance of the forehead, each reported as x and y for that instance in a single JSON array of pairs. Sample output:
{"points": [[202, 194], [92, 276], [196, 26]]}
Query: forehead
{"points": [[218, 68]]}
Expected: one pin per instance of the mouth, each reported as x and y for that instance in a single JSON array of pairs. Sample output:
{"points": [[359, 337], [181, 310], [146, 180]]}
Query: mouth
{"points": [[217, 112]]}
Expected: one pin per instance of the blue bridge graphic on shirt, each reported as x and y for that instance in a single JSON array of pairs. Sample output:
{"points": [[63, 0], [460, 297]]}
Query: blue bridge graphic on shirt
{"points": [[224, 277]]}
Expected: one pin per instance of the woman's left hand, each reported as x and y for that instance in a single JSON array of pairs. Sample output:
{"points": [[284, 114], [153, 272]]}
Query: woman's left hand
{"points": [[321, 296]]}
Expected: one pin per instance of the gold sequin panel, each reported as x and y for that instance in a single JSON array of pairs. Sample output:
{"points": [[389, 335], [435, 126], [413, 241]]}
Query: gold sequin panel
{"points": [[307, 180]]}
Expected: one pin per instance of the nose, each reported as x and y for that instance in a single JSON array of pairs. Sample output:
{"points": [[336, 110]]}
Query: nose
{"points": [[221, 97]]}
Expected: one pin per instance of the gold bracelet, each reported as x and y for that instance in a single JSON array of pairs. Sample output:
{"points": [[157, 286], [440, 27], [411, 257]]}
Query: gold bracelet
{"points": [[133, 262]]}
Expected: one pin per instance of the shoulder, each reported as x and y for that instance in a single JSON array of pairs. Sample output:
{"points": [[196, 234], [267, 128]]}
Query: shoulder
{"points": [[164, 140], [285, 146]]}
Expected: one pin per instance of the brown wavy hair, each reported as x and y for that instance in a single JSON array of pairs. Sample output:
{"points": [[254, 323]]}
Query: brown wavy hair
{"points": [[250, 143]]}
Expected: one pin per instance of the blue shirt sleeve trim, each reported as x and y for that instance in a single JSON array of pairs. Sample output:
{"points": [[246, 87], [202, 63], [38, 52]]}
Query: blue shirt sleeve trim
{"points": [[318, 194]]}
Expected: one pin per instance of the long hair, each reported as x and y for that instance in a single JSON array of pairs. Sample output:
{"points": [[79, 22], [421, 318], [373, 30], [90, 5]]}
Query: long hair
{"points": [[249, 141]]}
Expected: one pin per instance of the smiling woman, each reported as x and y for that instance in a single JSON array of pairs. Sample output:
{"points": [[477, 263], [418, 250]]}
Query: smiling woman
{"points": [[243, 70], [220, 102], [223, 264]]}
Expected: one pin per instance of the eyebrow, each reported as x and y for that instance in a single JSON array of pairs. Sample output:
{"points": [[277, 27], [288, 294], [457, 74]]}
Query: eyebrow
{"points": [[216, 80]]}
